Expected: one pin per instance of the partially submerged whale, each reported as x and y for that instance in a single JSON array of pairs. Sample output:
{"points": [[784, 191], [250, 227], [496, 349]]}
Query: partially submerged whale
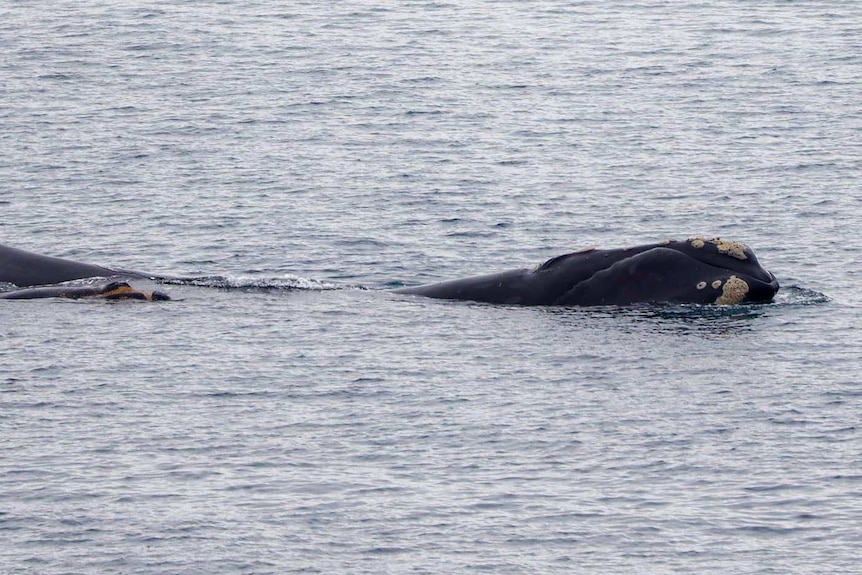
{"points": [[38, 276], [109, 290], [697, 270]]}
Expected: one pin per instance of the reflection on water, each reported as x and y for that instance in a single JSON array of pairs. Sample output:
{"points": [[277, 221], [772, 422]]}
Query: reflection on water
{"points": [[670, 317], [708, 320]]}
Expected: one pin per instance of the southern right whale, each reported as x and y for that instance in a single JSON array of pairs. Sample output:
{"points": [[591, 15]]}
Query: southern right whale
{"points": [[109, 290], [697, 270], [37, 276]]}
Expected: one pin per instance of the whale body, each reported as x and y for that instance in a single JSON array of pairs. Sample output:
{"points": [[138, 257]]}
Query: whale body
{"points": [[697, 271], [108, 290], [37, 276]]}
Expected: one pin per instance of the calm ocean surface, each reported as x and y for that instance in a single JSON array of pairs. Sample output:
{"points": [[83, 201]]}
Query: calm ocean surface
{"points": [[291, 416]]}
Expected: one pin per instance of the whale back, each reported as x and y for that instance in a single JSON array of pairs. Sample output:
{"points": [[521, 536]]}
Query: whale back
{"points": [[26, 269]]}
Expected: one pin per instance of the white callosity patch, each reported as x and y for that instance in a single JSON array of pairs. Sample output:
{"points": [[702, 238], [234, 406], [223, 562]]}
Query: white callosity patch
{"points": [[733, 292], [733, 249]]}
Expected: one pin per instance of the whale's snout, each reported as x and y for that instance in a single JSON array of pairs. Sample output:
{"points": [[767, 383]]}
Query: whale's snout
{"points": [[763, 291]]}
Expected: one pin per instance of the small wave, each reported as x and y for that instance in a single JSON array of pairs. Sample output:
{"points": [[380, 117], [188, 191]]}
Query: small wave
{"points": [[256, 283], [795, 295]]}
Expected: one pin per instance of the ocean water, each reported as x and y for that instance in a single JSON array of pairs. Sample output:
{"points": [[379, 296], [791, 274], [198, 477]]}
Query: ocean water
{"points": [[290, 415]]}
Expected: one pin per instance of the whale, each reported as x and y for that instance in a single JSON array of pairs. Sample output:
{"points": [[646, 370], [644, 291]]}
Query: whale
{"points": [[27, 269], [37, 276], [108, 290], [696, 270], [692, 271]]}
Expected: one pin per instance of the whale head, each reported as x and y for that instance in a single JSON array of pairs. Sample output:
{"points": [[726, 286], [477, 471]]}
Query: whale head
{"points": [[123, 290], [741, 279]]}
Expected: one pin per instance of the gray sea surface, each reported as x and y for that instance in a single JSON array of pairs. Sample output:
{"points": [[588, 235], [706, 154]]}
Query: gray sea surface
{"points": [[288, 414]]}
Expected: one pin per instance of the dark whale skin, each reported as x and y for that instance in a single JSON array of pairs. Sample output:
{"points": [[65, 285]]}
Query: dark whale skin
{"points": [[697, 270]]}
